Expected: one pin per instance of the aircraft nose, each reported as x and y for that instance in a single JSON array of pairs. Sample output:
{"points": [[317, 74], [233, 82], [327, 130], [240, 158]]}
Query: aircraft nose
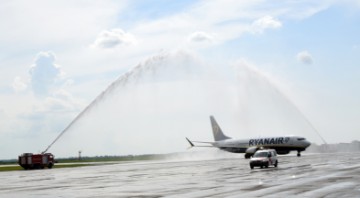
{"points": [[307, 143]]}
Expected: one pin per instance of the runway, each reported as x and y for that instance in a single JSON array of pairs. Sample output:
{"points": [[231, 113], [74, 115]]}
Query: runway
{"points": [[192, 175]]}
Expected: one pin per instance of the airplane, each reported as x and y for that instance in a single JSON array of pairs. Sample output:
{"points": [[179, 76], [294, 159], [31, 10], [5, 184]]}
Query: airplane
{"points": [[282, 144]]}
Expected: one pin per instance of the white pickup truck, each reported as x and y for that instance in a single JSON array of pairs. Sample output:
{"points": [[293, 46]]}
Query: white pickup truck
{"points": [[264, 158]]}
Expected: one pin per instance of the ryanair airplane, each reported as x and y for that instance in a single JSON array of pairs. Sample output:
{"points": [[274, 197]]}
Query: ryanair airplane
{"points": [[282, 144]]}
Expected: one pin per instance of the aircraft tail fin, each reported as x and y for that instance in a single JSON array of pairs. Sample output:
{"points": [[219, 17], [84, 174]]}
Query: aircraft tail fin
{"points": [[218, 134]]}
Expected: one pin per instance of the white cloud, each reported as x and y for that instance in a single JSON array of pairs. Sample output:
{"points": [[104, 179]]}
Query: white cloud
{"points": [[113, 38], [18, 84], [48, 84], [304, 57], [201, 37], [61, 101], [44, 73], [266, 22], [32, 25]]}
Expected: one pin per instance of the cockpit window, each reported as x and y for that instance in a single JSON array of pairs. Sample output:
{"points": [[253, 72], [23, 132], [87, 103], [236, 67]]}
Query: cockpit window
{"points": [[301, 139]]}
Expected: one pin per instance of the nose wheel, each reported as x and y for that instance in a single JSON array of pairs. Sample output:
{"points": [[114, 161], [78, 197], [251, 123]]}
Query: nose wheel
{"points": [[299, 154]]}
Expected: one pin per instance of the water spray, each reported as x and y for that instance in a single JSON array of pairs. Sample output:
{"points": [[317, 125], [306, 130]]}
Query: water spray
{"points": [[276, 89], [122, 80]]}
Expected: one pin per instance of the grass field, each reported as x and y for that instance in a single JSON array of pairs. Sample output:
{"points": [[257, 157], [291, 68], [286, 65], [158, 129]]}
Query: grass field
{"points": [[11, 165], [16, 167]]}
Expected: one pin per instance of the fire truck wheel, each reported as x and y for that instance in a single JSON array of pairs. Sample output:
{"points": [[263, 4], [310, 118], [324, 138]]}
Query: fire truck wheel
{"points": [[50, 165]]}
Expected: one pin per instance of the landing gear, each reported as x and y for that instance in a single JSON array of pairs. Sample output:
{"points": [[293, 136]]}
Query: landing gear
{"points": [[247, 155], [299, 154]]}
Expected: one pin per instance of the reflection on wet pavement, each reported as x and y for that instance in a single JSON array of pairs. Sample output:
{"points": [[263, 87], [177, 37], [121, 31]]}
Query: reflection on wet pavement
{"points": [[312, 175]]}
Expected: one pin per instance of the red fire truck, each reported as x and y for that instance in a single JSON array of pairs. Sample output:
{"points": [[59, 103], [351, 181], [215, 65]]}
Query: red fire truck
{"points": [[36, 161]]}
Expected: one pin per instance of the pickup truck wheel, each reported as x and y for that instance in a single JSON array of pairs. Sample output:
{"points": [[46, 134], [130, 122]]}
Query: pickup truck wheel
{"points": [[276, 164]]}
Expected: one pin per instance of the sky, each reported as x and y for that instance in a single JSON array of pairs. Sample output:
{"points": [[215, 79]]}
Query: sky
{"points": [[160, 68]]}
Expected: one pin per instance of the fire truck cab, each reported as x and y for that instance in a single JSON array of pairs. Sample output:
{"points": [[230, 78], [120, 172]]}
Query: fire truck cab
{"points": [[36, 161]]}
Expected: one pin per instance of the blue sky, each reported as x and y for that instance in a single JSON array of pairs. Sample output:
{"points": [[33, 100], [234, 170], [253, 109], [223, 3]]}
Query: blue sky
{"points": [[56, 57]]}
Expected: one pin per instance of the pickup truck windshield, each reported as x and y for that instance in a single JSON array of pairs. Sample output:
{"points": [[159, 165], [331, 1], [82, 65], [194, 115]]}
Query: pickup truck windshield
{"points": [[261, 154]]}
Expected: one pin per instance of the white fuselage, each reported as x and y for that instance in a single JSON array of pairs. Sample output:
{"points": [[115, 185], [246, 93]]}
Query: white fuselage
{"points": [[282, 144]]}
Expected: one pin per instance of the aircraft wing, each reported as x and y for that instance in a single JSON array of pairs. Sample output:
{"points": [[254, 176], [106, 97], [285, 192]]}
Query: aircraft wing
{"points": [[193, 145]]}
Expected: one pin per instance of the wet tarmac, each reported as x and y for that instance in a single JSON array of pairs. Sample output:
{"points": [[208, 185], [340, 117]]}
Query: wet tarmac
{"points": [[312, 175]]}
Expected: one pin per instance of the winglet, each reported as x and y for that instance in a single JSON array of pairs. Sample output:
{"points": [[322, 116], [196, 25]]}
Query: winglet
{"points": [[191, 144]]}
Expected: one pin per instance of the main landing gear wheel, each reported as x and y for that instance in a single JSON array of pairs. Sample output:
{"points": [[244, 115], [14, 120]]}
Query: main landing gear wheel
{"points": [[247, 155]]}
